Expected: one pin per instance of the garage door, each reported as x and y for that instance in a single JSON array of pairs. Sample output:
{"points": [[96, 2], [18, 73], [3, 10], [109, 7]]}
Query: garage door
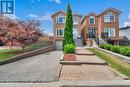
{"points": [[59, 45]]}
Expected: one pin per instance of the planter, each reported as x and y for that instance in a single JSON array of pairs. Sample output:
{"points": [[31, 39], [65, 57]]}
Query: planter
{"points": [[69, 57]]}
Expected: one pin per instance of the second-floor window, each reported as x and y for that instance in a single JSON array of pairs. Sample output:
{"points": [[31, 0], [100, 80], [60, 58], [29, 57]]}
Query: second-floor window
{"points": [[60, 32], [61, 19], [91, 20], [75, 20], [109, 17], [110, 32]]}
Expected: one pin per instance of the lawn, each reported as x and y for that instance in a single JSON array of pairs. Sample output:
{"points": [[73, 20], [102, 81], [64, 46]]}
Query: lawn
{"points": [[6, 56], [7, 53], [113, 61]]}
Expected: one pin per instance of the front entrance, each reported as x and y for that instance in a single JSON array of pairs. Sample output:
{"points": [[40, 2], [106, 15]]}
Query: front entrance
{"points": [[58, 45], [92, 33]]}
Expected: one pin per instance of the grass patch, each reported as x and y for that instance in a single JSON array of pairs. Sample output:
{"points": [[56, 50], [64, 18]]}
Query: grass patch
{"points": [[113, 61], [6, 56]]}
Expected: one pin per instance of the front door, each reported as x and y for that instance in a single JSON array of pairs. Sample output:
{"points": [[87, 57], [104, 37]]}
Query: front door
{"points": [[92, 33]]}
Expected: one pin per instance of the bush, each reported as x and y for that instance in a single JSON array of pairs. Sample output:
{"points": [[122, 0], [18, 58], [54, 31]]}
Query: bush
{"points": [[127, 52], [69, 48], [102, 46], [115, 49], [108, 47], [123, 50]]}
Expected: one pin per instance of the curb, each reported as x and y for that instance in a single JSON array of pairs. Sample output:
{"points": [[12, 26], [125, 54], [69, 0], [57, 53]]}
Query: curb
{"points": [[27, 54], [84, 54], [116, 54], [79, 63], [117, 73]]}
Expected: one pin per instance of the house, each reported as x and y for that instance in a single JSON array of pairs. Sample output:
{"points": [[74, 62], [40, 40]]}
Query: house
{"points": [[103, 27], [59, 26], [124, 32]]}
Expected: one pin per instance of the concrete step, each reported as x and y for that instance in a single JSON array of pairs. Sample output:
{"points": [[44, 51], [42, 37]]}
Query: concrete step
{"points": [[84, 52], [78, 42]]}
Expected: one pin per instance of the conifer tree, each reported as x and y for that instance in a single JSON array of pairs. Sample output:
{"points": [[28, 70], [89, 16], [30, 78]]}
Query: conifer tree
{"points": [[68, 31]]}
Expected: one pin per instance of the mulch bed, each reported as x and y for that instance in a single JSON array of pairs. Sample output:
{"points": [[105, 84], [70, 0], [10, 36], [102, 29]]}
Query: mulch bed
{"points": [[69, 57]]}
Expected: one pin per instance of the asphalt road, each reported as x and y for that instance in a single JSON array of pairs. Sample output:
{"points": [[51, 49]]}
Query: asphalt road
{"points": [[44, 67]]}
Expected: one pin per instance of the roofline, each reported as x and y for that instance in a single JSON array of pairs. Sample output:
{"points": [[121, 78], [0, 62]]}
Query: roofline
{"points": [[124, 28], [65, 13], [114, 9], [57, 12]]}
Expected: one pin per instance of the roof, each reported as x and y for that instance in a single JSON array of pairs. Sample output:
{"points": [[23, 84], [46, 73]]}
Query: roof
{"points": [[111, 9], [58, 13], [123, 28], [65, 13], [92, 13]]}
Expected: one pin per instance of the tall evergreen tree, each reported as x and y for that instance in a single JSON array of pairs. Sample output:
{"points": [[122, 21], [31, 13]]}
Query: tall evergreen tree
{"points": [[68, 31]]}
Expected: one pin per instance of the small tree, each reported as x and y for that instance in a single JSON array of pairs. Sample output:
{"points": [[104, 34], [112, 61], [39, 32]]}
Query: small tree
{"points": [[68, 31]]}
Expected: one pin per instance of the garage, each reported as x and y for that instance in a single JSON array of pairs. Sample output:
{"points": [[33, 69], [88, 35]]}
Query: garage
{"points": [[58, 45]]}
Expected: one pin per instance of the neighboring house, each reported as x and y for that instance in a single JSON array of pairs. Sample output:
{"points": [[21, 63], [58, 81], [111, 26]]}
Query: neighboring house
{"points": [[59, 19], [106, 24], [124, 31]]}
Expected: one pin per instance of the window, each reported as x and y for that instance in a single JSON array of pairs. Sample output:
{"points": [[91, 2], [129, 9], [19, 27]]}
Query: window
{"points": [[61, 19], [110, 31], [60, 32], [109, 17], [75, 20], [91, 20], [75, 33]]}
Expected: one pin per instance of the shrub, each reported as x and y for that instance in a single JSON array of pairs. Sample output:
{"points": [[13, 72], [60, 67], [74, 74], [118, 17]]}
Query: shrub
{"points": [[127, 52], [115, 49], [69, 48], [108, 47], [123, 50], [102, 46]]}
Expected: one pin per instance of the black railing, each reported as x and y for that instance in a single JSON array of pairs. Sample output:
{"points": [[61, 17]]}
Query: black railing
{"points": [[104, 35]]}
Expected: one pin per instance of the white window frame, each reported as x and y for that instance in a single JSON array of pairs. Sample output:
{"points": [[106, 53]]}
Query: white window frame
{"points": [[57, 19], [58, 33], [75, 17], [110, 31], [75, 32], [93, 19], [107, 17]]}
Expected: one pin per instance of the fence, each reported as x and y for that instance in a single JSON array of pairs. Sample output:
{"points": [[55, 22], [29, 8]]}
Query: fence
{"points": [[124, 42], [38, 45]]}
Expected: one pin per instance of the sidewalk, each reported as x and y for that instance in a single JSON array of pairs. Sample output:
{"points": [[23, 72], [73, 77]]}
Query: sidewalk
{"points": [[91, 71]]}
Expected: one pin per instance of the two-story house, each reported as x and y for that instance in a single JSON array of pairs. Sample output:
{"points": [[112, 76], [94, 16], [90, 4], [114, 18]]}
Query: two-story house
{"points": [[59, 19], [104, 26]]}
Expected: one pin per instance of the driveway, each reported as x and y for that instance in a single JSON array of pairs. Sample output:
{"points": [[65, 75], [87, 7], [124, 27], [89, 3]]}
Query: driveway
{"points": [[44, 67]]}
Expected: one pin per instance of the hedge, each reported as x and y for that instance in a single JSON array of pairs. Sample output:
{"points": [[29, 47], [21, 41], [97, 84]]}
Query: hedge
{"points": [[117, 49]]}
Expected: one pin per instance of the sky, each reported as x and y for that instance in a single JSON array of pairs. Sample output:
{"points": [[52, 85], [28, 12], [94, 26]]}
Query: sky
{"points": [[43, 9]]}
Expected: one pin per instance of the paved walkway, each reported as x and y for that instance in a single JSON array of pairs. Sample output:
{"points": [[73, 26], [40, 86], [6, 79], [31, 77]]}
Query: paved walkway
{"points": [[44, 67], [87, 71]]}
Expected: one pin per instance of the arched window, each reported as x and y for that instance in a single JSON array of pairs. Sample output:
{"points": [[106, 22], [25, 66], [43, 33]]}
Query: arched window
{"points": [[61, 18], [91, 20], [109, 17], [75, 20]]}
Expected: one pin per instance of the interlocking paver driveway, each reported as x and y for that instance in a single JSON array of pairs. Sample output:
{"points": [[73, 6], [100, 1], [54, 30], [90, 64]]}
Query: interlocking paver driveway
{"points": [[44, 67], [87, 72]]}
